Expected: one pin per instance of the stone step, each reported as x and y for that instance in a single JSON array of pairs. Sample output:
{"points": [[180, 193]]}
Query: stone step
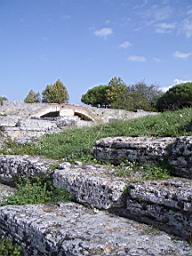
{"points": [[73, 230], [13, 168], [92, 185], [166, 204], [178, 152], [140, 149]]}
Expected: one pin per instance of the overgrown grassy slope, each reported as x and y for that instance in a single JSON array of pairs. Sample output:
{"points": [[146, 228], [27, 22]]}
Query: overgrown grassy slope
{"points": [[76, 144]]}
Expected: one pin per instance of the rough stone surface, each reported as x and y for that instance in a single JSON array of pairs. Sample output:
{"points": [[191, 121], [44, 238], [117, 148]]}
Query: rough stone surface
{"points": [[181, 157], [110, 115], [166, 204], [91, 185], [13, 168], [24, 123], [140, 149], [73, 230]]}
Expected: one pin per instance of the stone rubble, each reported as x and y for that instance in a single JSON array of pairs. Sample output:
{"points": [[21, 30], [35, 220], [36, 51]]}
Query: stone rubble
{"points": [[72, 230]]}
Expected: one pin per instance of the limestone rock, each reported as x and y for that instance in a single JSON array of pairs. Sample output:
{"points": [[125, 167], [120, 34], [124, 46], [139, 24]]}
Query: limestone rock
{"points": [[166, 204], [139, 149], [72, 230], [13, 168], [181, 157], [93, 186]]}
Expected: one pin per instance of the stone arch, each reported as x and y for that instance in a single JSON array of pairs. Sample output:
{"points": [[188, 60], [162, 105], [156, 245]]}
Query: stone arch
{"points": [[83, 116]]}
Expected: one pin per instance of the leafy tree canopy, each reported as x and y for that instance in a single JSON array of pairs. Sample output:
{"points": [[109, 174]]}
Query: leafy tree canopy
{"points": [[55, 93], [97, 96], [179, 96], [32, 97]]}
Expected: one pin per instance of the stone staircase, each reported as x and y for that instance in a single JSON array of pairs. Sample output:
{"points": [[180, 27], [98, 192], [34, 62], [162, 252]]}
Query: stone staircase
{"points": [[111, 215]]}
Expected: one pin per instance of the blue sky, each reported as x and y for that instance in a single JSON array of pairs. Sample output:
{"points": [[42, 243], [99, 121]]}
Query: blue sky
{"points": [[87, 42]]}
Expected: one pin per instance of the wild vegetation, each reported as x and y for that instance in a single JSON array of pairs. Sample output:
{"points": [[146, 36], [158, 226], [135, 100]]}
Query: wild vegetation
{"points": [[37, 191], [8, 248]]}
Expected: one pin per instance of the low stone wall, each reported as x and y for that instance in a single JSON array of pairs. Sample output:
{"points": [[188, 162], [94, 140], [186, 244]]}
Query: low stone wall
{"points": [[181, 157], [165, 204], [178, 151], [141, 149], [70, 229], [13, 168]]}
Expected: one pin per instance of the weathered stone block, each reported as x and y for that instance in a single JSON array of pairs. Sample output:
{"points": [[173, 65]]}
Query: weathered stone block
{"points": [[166, 204], [91, 185], [73, 230], [140, 149], [180, 157], [13, 168]]}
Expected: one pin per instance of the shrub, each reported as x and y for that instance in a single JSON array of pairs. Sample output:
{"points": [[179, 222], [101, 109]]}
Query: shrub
{"points": [[56, 93], [177, 97], [32, 97]]}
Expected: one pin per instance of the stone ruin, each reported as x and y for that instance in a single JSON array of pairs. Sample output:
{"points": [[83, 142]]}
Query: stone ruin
{"points": [[24, 123], [110, 215]]}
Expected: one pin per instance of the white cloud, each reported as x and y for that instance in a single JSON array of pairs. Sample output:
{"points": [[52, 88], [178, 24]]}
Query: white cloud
{"points": [[175, 82], [103, 32], [180, 81], [165, 27], [137, 58], [182, 55], [157, 13], [187, 27], [125, 45]]}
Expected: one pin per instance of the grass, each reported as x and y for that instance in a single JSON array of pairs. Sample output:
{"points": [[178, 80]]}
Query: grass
{"points": [[76, 144], [37, 192], [144, 172], [8, 248]]}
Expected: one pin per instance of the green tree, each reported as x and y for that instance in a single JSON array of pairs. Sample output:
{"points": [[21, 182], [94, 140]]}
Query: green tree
{"points": [[179, 96], [55, 93], [117, 92], [32, 97], [150, 92], [2, 99], [97, 96]]}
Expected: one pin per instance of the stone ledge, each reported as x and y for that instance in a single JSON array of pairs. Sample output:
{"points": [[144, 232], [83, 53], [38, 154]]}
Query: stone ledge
{"points": [[140, 149], [181, 157], [93, 186], [13, 168], [71, 229], [166, 204]]}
